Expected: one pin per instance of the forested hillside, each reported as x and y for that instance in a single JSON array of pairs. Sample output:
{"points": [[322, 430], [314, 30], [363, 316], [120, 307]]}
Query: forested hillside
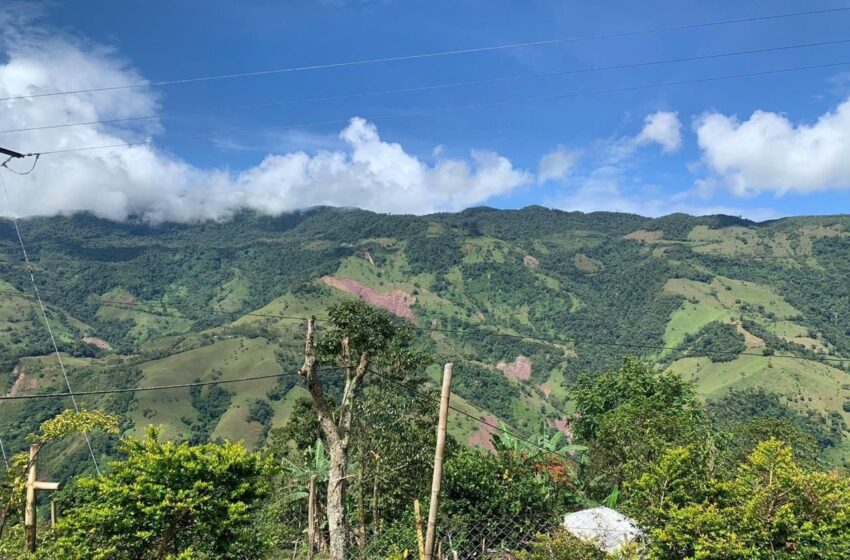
{"points": [[524, 302]]}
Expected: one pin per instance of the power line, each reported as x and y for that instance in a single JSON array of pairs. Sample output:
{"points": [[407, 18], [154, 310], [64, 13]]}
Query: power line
{"points": [[425, 87], [44, 313], [155, 387], [434, 54], [471, 106]]}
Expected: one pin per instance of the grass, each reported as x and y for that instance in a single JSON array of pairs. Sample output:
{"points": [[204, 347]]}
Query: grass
{"points": [[283, 408], [805, 383], [229, 359], [147, 326], [721, 300], [557, 383], [232, 294], [489, 249]]}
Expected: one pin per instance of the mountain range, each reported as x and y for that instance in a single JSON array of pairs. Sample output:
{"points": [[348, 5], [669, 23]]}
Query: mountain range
{"points": [[522, 301]]}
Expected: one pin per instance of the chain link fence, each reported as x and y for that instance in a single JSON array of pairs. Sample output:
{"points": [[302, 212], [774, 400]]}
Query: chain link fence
{"points": [[456, 539]]}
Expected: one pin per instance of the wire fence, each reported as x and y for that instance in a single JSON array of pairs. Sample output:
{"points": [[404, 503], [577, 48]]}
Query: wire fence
{"points": [[457, 538]]}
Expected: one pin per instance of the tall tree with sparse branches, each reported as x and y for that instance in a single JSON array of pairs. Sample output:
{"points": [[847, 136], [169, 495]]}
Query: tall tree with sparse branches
{"points": [[360, 338]]}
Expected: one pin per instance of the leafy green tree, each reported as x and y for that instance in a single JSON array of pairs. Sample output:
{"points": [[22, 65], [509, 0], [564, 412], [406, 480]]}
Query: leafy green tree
{"points": [[502, 495], [166, 500], [771, 508], [393, 453], [742, 439], [299, 433], [546, 442], [629, 417]]}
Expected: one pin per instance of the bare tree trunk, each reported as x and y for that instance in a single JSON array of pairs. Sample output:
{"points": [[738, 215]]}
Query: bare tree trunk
{"points": [[336, 433], [337, 525]]}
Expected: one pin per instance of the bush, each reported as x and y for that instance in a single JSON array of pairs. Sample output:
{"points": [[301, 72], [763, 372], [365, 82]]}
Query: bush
{"points": [[561, 544]]}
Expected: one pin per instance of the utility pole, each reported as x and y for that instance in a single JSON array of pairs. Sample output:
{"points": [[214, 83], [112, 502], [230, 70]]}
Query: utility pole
{"points": [[33, 486], [438, 462]]}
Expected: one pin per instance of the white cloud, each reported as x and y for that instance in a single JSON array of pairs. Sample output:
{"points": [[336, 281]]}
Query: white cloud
{"points": [[366, 171], [606, 189], [768, 152], [662, 128], [557, 164]]}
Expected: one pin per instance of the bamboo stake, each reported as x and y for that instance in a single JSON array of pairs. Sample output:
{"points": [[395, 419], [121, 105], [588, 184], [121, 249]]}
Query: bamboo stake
{"points": [[438, 462], [311, 517], [417, 516]]}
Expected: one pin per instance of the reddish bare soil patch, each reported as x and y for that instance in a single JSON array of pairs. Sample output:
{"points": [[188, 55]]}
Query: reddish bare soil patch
{"points": [[546, 390], [396, 302], [483, 436], [21, 382], [530, 261], [519, 369], [99, 342], [563, 425]]}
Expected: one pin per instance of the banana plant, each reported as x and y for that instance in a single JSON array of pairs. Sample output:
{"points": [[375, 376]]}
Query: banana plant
{"points": [[546, 441], [300, 474]]}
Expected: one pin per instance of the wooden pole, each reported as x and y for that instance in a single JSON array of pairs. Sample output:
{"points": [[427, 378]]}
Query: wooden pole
{"points": [[420, 539], [29, 511], [311, 517], [438, 462], [33, 486], [53, 516]]}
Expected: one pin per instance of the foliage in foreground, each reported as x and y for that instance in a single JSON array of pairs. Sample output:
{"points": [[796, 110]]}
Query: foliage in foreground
{"points": [[58, 427], [629, 417], [770, 508], [563, 545], [166, 500]]}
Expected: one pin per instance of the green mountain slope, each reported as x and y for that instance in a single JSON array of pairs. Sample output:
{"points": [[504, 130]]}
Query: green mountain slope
{"points": [[522, 301]]}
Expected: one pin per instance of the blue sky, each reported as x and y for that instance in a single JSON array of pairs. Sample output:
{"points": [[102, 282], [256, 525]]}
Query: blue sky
{"points": [[695, 148]]}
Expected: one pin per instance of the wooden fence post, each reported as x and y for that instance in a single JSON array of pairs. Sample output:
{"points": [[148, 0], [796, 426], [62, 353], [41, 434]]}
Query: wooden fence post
{"points": [[417, 517], [33, 485], [437, 480]]}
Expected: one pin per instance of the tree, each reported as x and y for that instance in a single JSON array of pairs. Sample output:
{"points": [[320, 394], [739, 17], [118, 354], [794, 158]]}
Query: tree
{"points": [[769, 508], [360, 338], [501, 497], [166, 501], [629, 417], [742, 439], [393, 451]]}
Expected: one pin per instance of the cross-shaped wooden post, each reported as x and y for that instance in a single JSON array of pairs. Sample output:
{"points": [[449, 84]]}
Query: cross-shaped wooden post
{"points": [[33, 486]]}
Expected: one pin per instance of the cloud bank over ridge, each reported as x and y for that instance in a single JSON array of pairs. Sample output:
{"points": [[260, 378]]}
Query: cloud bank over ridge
{"points": [[147, 182]]}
